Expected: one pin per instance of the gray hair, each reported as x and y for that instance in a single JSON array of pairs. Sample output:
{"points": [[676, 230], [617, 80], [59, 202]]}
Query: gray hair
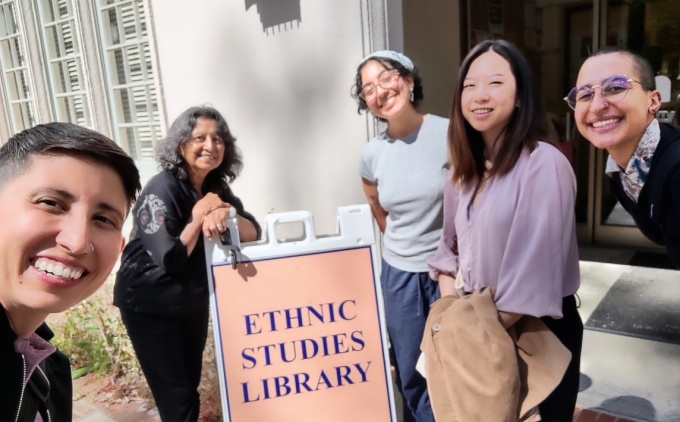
{"points": [[169, 151]]}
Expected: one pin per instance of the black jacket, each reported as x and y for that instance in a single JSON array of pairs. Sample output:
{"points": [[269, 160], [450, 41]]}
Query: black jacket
{"points": [[668, 231], [156, 275], [58, 405]]}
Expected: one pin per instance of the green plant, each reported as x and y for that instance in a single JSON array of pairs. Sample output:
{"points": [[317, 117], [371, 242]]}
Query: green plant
{"points": [[94, 337], [92, 334]]}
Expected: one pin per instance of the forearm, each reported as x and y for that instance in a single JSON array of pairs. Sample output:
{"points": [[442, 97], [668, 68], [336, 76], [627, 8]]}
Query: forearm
{"points": [[447, 285], [246, 229], [381, 218], [191, 234], [379, 213]]}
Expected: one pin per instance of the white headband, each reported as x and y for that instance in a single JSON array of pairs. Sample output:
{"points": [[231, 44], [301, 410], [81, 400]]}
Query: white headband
{"points": [[392, 55]]}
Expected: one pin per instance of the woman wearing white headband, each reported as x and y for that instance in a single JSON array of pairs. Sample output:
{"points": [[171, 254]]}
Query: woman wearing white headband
{"points": [[404, 170]]}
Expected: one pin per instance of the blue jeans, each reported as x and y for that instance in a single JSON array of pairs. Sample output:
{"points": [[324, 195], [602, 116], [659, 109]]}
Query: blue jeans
{"points": [[408, 297]]}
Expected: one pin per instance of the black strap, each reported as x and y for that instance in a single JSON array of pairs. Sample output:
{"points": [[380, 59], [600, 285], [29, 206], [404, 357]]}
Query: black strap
{"points": [[668, 161], [39, 383]]}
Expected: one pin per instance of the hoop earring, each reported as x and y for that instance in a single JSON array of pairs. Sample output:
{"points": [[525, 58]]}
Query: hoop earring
{"points": [[412, 96]]}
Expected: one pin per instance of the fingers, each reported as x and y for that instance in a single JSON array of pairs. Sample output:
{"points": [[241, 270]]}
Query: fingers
{"points": [[213, 226], [220, 213], [210, 230], [212, 202]]}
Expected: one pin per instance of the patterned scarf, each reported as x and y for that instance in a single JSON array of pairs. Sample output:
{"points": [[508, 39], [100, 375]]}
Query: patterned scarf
{"points": [[633, 178]]}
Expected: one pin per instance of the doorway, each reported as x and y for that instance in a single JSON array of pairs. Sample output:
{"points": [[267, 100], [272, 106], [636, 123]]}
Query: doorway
{"points": [[557, 36]]}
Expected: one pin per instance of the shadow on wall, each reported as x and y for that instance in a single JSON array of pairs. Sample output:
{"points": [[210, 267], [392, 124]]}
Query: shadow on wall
{"points": [[278, 15]]}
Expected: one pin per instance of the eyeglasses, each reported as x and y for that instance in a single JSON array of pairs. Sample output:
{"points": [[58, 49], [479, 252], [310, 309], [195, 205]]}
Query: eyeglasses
{"points": [[386, 80], [613, 89], [200, 139]]}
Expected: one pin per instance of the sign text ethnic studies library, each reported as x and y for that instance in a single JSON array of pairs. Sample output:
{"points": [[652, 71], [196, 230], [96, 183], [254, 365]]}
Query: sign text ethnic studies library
{"points": [[330, 344], [298, 327]]}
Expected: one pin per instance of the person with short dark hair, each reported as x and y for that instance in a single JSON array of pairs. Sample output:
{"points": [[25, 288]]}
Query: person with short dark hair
{"points": [[65, 192], [162, 284], [509, 222], [615, 102], [403, 171]]}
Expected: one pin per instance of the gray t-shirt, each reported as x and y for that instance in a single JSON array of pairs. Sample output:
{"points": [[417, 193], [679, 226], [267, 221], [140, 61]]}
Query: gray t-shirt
{"points": [[411, 174]]}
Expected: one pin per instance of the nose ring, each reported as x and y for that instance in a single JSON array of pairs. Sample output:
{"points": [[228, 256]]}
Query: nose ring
{"points": [[91, 247]]}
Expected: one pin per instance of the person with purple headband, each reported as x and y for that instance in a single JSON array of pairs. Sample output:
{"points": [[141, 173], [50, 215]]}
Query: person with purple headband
{"points": [[403, 171]]}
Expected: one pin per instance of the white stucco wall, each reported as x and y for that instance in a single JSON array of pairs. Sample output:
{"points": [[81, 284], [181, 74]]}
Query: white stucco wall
{"points": [[283, 89]]}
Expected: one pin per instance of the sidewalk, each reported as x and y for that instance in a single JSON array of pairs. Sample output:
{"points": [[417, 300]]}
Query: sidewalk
{"points": [[588, 415], [624, 379], [86, 409]]}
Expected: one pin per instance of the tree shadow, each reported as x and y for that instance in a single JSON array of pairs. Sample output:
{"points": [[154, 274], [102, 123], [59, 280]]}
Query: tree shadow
{"points": [[278, 15]]}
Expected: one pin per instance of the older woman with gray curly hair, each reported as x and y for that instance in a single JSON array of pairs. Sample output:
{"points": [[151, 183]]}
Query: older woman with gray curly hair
{"points": [[162, 284]]}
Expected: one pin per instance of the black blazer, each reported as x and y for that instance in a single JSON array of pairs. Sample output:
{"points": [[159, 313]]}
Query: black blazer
{"points": [[58, 407], [156, 276], [667, 232]]}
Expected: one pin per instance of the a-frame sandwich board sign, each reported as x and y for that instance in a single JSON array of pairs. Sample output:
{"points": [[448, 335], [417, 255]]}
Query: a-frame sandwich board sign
{"points": [[299, 325]]}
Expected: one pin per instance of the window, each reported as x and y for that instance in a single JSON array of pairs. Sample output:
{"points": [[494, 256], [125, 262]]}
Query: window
{"points": [[64, 64], [129, 76], [16, 79]]}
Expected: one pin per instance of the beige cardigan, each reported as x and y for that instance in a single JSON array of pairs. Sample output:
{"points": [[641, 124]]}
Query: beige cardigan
{"points": [[478, 371]]}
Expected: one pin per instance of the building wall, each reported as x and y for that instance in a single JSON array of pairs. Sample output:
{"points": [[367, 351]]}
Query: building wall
{"points": [[280, 71]]}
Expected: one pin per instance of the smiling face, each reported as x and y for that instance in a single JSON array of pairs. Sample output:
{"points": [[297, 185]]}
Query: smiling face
{"points": [[386, 102], [614, 125], [488, 95], [61, 223], [204, 152]]}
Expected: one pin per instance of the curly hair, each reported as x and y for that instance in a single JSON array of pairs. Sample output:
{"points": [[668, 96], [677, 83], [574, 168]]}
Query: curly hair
{"points": [[169, 150], [388, 64]]}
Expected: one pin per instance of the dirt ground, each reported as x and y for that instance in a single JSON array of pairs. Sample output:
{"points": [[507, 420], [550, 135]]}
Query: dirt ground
{"points": [[93, 395]]}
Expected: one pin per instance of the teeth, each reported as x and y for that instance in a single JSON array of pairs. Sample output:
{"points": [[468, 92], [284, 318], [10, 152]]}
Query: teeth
{"points": [[603, 123], [57, 269], [389, 100], [482, 111]]}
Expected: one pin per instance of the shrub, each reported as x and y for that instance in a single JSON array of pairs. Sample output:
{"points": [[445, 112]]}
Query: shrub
{"points": [[92, 334], [94, 337]]}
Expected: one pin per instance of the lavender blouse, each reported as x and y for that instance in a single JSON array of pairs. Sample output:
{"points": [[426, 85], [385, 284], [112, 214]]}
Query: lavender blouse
{"points": [[519, 237]]}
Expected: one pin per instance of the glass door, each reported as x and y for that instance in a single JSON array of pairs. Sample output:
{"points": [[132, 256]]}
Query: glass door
{"points": [[650, 28], [556, 37]]}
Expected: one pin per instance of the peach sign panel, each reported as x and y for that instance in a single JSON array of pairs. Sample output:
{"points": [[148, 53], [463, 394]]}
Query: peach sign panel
{"points": [[301, 339]]}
